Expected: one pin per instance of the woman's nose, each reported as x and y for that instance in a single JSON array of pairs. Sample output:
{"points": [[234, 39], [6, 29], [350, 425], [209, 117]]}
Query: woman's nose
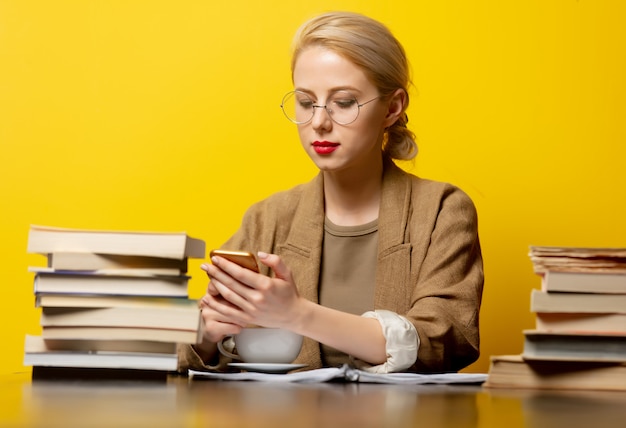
{"points": [[321, 118]]}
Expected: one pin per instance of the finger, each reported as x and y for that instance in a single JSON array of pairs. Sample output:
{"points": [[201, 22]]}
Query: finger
{"points": [[221, 281], [275, 263], [223, 310], [211, 316], [215, 329], [222, 266], [204, 267], [205, 300], [219, 307], [232, 295], [211, 290]]}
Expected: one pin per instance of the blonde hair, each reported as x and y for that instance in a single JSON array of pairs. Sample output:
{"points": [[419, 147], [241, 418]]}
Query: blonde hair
{"points": [[369, 45]]}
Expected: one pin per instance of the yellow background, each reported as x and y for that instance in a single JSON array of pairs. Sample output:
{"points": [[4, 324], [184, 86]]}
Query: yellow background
{"points": [[164, 115]]}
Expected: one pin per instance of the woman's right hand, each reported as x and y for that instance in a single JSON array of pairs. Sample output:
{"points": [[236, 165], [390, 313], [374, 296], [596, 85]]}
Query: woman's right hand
{"points": [[216, 326]]}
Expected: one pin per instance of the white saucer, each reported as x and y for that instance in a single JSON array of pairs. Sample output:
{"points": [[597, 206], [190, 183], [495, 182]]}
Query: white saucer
{"points": [[267, 367]]}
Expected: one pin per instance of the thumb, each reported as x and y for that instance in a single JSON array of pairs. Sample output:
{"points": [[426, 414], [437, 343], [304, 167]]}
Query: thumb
{"points": [[275, 263]]}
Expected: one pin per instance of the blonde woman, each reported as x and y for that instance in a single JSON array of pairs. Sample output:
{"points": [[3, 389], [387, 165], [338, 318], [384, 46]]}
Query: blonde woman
{"points": [[375, 267]]}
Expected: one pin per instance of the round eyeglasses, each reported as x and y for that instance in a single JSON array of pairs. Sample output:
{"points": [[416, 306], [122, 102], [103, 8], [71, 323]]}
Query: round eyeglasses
{"points": [[342, 107]]}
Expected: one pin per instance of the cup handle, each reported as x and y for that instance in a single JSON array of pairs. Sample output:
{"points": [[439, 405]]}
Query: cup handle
{"points": [[224, 351]]}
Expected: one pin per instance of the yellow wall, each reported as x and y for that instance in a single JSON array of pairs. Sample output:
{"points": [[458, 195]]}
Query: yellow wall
{"points": [[164, 115]]}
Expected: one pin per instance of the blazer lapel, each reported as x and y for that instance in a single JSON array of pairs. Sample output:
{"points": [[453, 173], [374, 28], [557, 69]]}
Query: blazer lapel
{"points": [[394, 255], [302, 252]]}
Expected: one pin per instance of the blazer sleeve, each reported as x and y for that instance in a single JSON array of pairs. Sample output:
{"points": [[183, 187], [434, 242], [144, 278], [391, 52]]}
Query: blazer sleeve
{"points": [[448, 284], [251, 236]]}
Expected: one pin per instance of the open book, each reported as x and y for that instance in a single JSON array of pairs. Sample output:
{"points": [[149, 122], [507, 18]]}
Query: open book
{"points": [[348, 374]]}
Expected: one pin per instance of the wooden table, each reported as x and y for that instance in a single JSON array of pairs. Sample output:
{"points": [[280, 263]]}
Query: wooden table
{"points": [[179, 402]]}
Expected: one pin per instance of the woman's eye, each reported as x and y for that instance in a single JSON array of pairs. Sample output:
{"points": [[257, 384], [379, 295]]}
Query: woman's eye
{"points": [[305, 104], [344, 103]]}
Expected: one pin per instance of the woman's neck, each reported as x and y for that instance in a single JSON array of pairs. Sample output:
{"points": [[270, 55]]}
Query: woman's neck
{"points": [[353, 198]]}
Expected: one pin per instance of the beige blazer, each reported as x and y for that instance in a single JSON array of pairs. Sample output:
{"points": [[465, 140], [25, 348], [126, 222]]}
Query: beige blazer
{"points": [[429, 266]]}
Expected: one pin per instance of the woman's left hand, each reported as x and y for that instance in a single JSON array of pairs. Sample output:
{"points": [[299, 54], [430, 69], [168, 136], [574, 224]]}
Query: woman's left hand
{"points": [[254, 298]]}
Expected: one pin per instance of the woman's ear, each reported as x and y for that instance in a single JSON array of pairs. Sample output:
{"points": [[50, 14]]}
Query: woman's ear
{"points": [[396, 107]]}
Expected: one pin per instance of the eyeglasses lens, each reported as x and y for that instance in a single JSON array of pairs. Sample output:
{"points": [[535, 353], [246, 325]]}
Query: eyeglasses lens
{"points": [[300, 108]]}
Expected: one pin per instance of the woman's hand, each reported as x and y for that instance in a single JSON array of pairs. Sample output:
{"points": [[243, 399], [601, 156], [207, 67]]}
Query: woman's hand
{"points": [[216, 326], [242, 297], [238, 297]]}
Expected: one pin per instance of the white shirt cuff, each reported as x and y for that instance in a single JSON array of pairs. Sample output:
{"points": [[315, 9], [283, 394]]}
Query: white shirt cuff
{"points": [[402, 342]]}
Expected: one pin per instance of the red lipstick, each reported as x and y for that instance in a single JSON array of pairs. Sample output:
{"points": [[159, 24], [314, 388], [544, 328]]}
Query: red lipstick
{"points": [[324, 147]]}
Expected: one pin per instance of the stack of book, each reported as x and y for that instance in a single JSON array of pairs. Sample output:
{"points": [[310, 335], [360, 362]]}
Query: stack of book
{"points": [[579, 339], [112, 299]]}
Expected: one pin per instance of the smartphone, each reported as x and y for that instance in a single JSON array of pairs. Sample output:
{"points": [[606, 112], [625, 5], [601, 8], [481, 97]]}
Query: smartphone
{"points": [[242, 258]]}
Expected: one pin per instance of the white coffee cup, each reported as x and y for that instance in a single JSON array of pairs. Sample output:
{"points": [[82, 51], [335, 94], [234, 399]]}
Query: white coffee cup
{"points": [[263, 345]]}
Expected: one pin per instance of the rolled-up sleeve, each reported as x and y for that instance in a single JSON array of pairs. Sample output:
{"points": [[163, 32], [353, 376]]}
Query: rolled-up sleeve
{"points": [[402, 342]]}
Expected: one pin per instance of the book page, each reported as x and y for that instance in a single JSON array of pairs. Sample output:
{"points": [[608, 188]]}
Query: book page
{"points": [[309, 376], [348, 374]]}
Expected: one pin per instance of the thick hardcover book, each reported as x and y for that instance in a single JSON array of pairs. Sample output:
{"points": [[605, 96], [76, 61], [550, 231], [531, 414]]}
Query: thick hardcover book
{"points": [[122, 333], [105, 301], [584, 282], [542, 345], [36, 354], [129, 285], [113, 262], [175, 316], [556, 322], [512, 371], [172, 245], [45, 345], [542, 301]]}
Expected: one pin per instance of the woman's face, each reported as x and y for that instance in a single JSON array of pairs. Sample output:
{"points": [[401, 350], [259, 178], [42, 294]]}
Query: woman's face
{"points": [[320, 73]]}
